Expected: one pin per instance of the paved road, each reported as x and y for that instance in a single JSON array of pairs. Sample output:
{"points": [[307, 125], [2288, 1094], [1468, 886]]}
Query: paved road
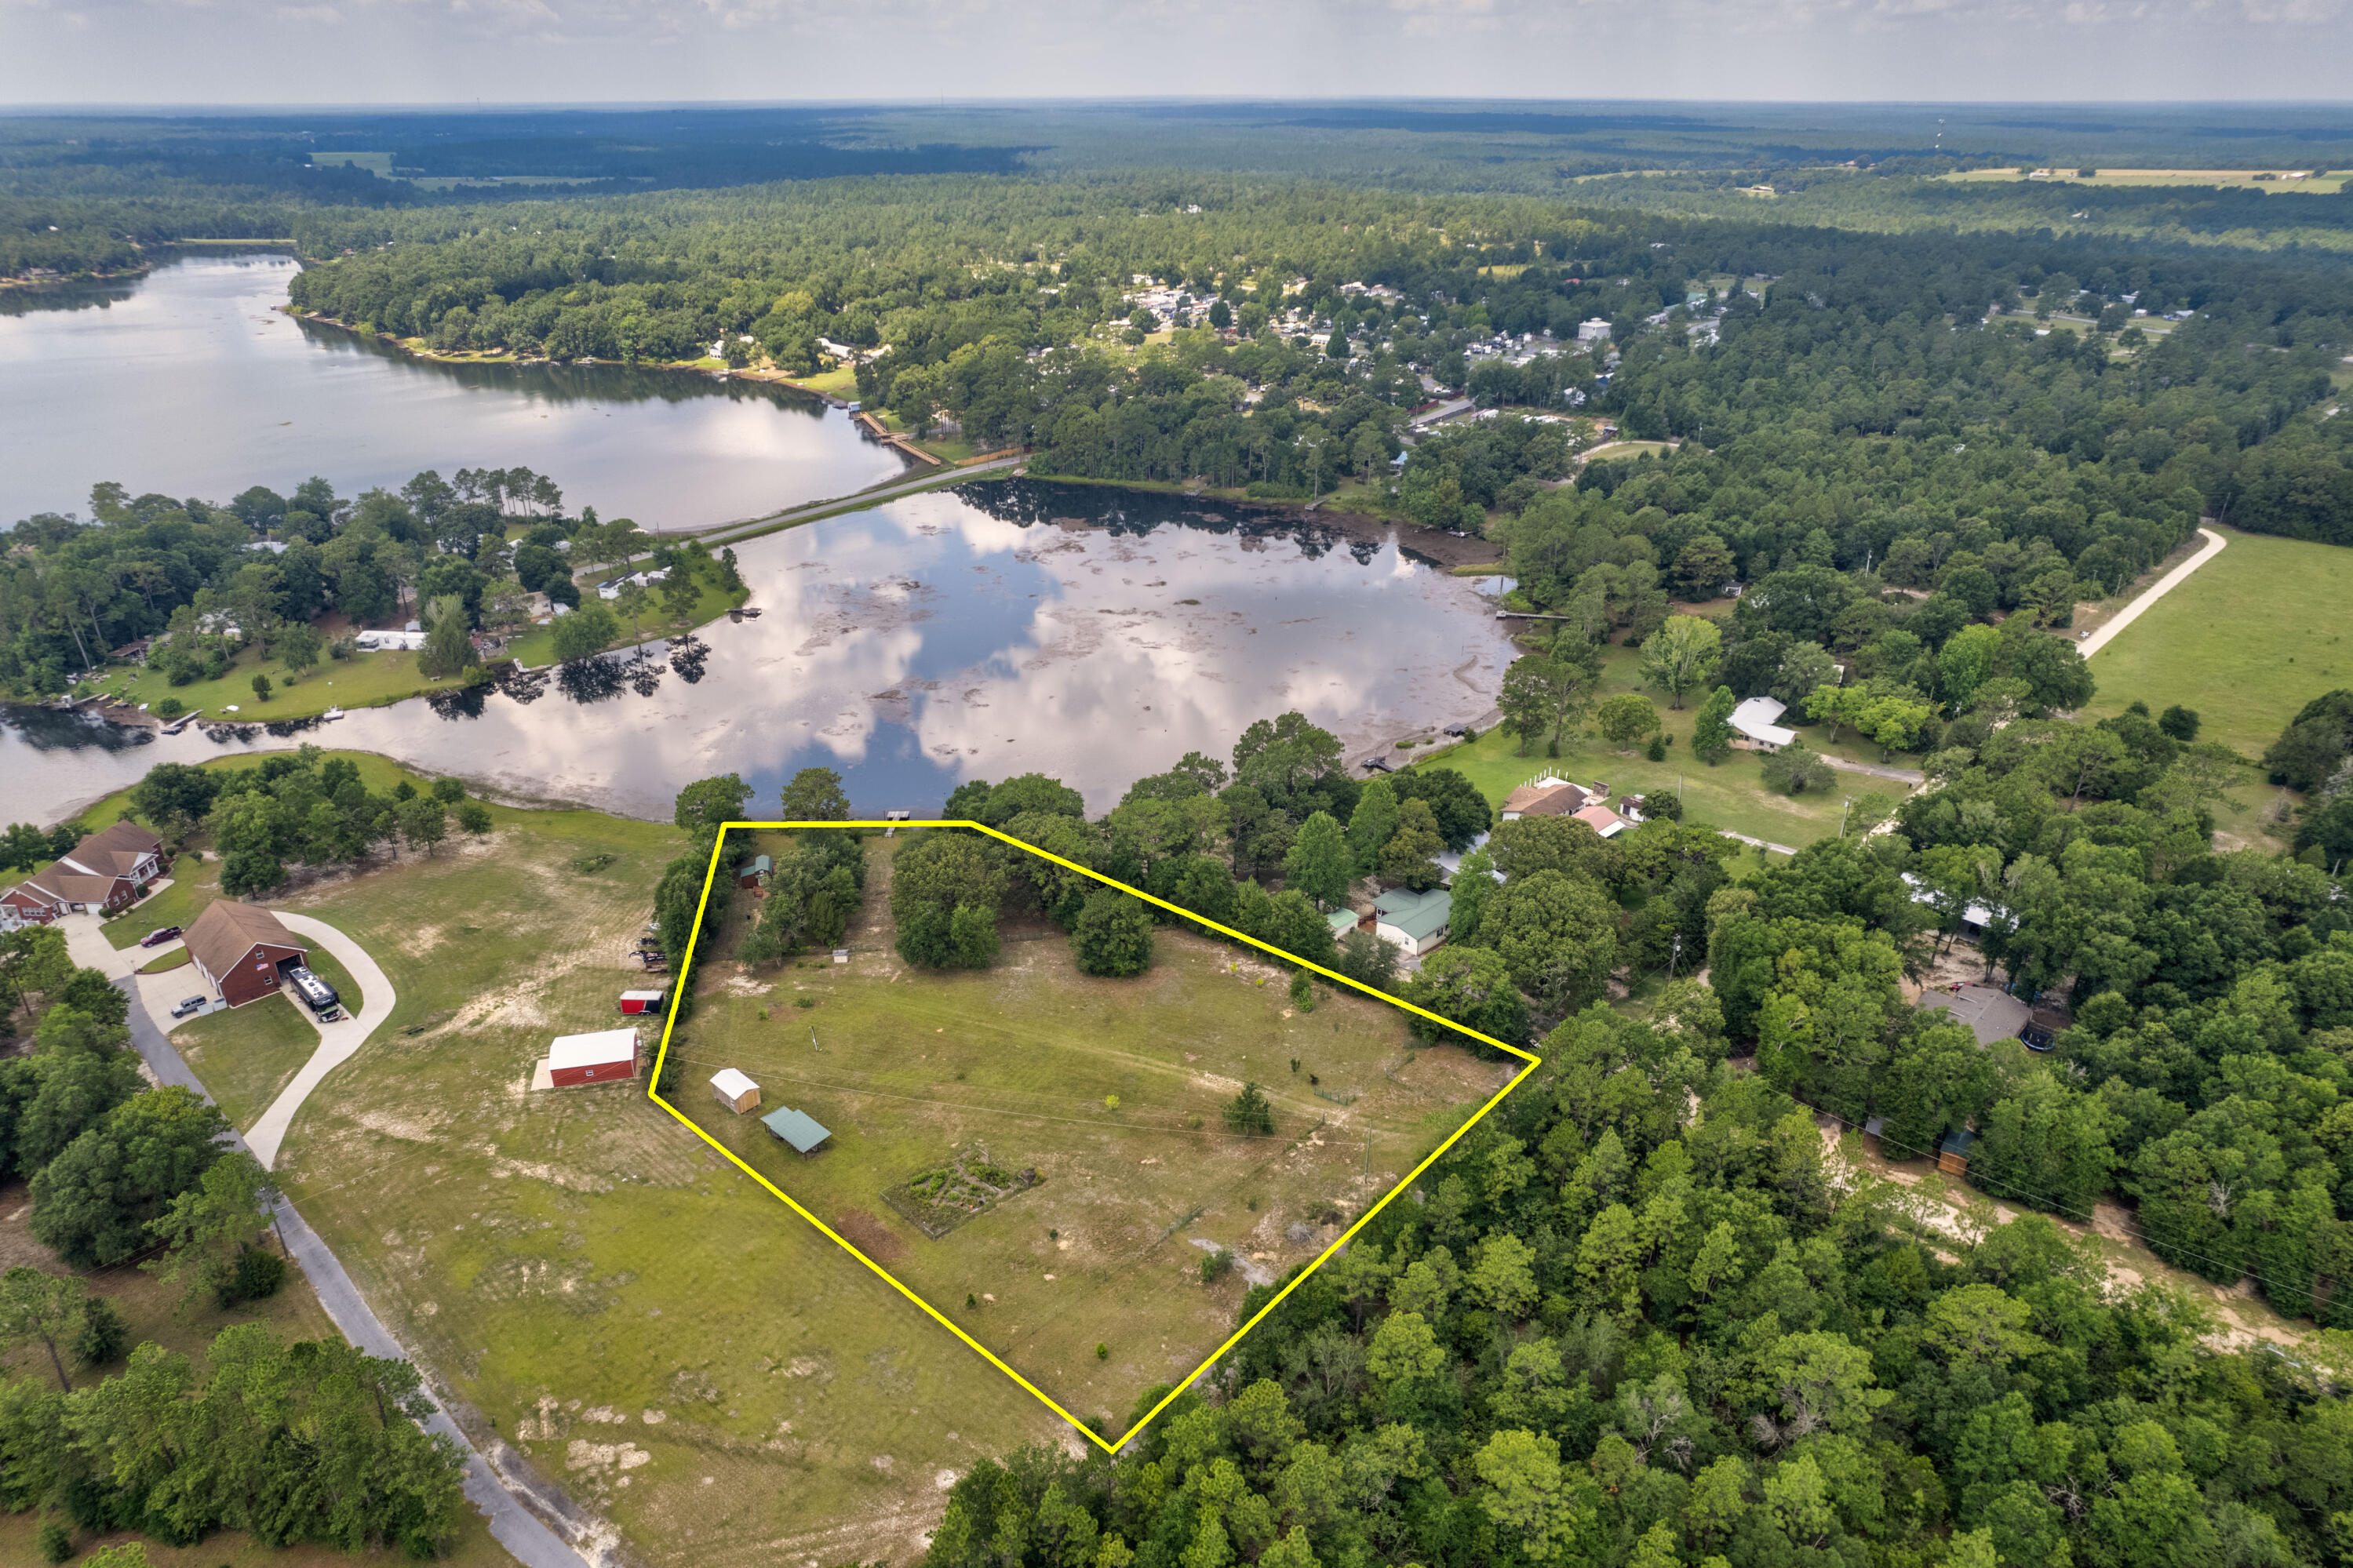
{"points": [[874, 497], [514, 1527], [2215, 544], [338, 1042]]}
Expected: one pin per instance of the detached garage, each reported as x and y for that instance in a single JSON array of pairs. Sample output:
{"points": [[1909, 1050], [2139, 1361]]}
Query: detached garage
{"points": [[602, 1057], [237, 949]]}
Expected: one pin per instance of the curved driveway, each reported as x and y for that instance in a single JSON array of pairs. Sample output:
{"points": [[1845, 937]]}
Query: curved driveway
{"points": [[2215, 544], [338, 1042]]}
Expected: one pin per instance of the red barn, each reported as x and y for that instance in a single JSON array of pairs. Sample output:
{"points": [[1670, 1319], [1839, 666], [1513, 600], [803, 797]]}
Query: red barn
{"points": [[601, 1057], [237, 949]]}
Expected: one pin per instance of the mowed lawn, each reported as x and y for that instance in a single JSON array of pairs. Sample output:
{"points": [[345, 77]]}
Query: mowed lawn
{"points": [[1730, 794], [246, 1054], [361, 680], [2250, 638], [906, 1067], [575, 1271]]}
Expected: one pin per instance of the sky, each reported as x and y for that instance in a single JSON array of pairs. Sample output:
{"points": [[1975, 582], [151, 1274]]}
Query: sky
{"points": [[315, 52]]}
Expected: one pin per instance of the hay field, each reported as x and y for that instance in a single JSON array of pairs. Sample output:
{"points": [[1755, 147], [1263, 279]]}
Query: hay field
{"points": [[907, 1068], [597, 1295]]}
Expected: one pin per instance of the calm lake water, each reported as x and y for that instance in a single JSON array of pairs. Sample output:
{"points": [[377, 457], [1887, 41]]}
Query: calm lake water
{"points": [[1093, 634], [190, 382]]}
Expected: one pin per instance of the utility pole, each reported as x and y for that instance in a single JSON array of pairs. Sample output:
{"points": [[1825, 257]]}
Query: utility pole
{"points": [[1846, 807]]}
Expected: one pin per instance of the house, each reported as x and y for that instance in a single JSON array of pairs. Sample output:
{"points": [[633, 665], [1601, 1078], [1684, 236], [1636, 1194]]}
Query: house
{"points": [[1602, 820], [1992, 1015], [1975, 915], [1412, 922], [736, 1092], [646, 579], [798, 1128], [600, 1058], [1451, 860], [389, 642], [1594, 330], [239, 949], [1546, 797], [636, 1001], [1953, 1152], [1753, 726], [755, 872], [105, 872]]}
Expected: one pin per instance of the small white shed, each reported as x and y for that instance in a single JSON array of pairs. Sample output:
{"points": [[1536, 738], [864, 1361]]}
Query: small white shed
{"points": [[736, 1092]]}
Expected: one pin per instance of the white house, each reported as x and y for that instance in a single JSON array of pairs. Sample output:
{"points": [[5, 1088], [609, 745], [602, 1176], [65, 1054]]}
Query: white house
{"points": [[1593, 330], [389, 642], [1754, 729], [646, 579]]}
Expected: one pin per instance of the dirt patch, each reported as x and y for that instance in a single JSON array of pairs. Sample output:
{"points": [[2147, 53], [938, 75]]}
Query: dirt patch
{"points": [[869, 1235]]}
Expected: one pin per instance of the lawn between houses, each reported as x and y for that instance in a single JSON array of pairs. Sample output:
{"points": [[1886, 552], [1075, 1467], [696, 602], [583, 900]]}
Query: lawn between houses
{"points": [[919, 1072], [573, 1269]]}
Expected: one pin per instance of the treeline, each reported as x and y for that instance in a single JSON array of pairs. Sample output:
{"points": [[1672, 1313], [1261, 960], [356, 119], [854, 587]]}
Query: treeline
{"points": [[1632, 1319], [204, 580], [299, 809]]}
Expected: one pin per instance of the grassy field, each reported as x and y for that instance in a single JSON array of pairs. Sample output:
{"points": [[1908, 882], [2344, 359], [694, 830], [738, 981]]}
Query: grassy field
{"points": [[175, 957], [577, 1274], [1730, 794], [909, 1068], [363, 680], [2324, 184], [194, 884], [247, 1055], [2253, 636]]}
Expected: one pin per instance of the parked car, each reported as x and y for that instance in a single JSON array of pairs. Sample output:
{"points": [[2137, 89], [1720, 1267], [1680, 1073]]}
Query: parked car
{"points": [[192, 1004], [160, 935]]}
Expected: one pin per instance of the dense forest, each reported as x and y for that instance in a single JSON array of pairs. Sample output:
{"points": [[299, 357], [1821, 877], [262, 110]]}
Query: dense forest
{"points": [[1644, 1313]]}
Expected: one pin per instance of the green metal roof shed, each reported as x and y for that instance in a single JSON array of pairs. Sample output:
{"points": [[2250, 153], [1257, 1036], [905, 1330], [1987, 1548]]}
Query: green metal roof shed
{"points": [[1342, 921], [796, 1128]]}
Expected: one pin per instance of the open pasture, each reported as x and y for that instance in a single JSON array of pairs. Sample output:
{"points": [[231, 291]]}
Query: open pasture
{"points": [[918, 1072]]}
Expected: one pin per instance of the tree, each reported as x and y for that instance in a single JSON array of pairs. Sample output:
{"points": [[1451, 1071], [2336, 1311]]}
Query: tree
{"points": [[1712, 726], [424, 823], [1793, 769], [1409, 857], [298, 647], [706, 804], [585, 632], [1543, 695], [1472, 986], [1249, 1112], [1114, 936], [1681, 656], [1473, 885], [449, 640], [1702, 569], [1372, 825], [1320, 863], [1888, 712], [1967, 662], [37, 1307], [474, 817], [1626, 719], [261, 688], [204, 1229], [1557, 934], [813, 794]]}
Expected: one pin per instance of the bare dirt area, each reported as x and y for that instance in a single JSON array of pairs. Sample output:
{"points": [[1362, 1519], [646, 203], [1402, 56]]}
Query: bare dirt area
{"points": [[1943, 1205]]}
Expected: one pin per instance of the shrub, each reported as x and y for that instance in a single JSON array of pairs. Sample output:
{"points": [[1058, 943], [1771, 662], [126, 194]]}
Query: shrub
{"points": [[255, 1276], [103, 1337], [1303, 993], [56, 1542], [1250, 1113], [1216, 1266], [1102, 1351], [170, 708], [1114, 936]]}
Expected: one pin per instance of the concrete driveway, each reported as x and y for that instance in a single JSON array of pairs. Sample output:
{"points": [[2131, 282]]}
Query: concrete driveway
{"points": [[338, 1042]]}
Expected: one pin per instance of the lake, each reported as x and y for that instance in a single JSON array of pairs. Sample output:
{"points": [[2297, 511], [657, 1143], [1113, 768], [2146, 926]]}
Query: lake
{"points": [[191, 382], [1005, 626]]}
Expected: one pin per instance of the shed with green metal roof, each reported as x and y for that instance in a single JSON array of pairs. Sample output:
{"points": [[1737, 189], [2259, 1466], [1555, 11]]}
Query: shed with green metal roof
{"points": [[796, 1128]]}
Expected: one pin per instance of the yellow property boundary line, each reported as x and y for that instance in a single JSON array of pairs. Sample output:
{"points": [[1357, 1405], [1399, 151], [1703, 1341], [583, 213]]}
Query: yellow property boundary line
{"points": [[678, 993]]}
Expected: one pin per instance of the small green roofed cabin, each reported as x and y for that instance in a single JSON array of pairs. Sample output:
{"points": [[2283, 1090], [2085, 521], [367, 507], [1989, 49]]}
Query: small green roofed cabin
{"points": [[755, 872], [796, 1128]]}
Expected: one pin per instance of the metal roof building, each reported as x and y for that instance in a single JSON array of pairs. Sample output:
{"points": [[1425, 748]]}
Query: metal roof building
{"points": [[796, 1128]]}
